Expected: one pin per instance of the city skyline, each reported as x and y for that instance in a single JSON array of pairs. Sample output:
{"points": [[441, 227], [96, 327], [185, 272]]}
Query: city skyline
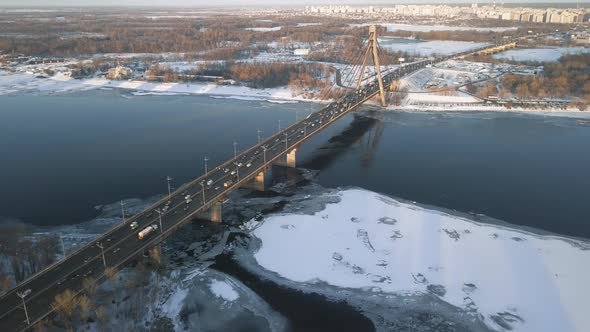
{"points": [[191, 3]]}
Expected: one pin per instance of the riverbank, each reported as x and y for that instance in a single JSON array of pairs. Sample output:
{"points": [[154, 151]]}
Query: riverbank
{"points": [[19, 83], [22, 83]]}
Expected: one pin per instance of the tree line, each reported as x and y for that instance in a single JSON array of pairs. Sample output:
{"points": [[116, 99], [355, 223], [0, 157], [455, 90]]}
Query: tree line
{"points": [[24, 254]]}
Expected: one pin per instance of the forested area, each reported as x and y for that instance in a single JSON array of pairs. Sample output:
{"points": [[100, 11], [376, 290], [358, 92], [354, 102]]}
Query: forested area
{"points": [[223, 35], [256, 75], [22, 255], [570, 76]]}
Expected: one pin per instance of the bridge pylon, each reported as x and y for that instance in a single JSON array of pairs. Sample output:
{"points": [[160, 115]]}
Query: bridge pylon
{"points": [[372, 53]]}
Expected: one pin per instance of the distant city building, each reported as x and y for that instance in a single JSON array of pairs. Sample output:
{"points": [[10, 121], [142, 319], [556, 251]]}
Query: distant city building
{"points": [[549, 15]]}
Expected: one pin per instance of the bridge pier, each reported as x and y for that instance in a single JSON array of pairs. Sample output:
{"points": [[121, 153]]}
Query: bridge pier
{"points": [[289, 159], [259, 182], [212, 214], [155, 253]]}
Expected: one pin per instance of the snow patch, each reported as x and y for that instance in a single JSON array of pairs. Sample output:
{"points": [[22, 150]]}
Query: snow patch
{"points": [[223, 290], [171, 308], [263, 29]]}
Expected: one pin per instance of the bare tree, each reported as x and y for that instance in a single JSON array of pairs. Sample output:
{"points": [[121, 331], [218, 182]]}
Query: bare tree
{"points": [[102, 318], [111, 273], [64, 305], [5, 283], [90, 286], [522, 90], [41, 326], [86, 307]]}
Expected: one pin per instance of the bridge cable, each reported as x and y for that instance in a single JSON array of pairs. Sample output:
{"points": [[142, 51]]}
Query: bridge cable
{"points": [[353, 72], [349, 68], [328, 92], [356, 70]]}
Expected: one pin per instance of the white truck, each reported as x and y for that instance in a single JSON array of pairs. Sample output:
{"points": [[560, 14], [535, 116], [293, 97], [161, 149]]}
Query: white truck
{"points": [[147, 231]]}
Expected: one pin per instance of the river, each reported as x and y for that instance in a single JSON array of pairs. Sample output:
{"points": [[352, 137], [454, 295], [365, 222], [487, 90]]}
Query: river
{"points": [[64, 155]]}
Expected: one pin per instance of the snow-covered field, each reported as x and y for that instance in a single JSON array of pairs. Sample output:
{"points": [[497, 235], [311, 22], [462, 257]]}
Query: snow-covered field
{"points": [[427, 28], [439, 78], [429, 48], [436, 78], [509, 278], [540, 54]]}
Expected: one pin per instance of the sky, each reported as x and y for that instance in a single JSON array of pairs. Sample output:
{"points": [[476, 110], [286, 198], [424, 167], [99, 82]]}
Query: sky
{"points": [[203, 3]]}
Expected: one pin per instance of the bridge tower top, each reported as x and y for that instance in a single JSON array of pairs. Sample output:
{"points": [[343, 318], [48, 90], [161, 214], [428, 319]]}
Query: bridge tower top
{"points": [[372, 53]]}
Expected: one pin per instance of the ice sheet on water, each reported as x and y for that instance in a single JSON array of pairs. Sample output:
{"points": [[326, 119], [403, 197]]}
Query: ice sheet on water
{"points": [[509, 278], [540, 54]]}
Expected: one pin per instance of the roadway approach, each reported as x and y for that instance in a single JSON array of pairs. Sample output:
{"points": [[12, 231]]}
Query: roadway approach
{"points": [[30, 301]]}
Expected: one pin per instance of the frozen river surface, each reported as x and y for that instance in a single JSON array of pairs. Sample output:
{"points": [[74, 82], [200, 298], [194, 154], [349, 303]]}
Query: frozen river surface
{"points": [[508, 278]]}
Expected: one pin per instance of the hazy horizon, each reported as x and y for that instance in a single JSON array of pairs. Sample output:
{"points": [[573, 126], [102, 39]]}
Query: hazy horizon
{"points": [[241, 3]]}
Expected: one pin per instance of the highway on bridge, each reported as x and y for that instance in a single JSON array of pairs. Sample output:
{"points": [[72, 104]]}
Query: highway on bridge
{"points": [[121, 243]]}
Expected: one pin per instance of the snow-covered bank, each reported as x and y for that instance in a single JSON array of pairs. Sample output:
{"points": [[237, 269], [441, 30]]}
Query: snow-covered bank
{"points": [[510, 278], [189, 299], [12, 83], [21, 83], [568, 112]]}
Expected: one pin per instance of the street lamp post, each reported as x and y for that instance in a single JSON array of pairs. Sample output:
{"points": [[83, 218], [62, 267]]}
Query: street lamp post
{"points": [[264, 153], [22, 296], [286, 142], [258, 132], [168, 179], [235, 149], [160, 220], [63, 248], [206, 159], [203, 186], [123, 211], [237, 171], [279, 125], [101, 246]]}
